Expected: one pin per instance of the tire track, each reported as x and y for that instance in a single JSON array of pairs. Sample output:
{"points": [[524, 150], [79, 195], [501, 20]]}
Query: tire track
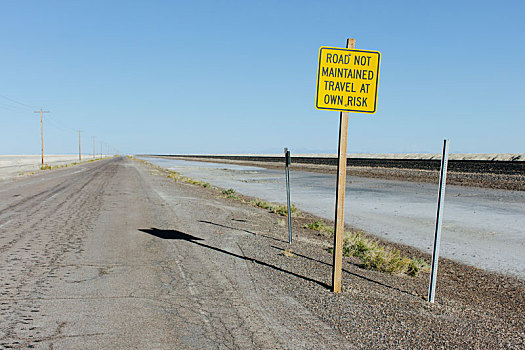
{"points": [[36, 205], [59, 219]]}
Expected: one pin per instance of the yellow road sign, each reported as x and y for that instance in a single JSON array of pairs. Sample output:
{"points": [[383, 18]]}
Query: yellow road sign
{"points": [[347, 80]]}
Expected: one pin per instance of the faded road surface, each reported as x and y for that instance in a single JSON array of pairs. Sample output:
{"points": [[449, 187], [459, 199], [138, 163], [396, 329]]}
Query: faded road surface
{"points": [[100, 256]]}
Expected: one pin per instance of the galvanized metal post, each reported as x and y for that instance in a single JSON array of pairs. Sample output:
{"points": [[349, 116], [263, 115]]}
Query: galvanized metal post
{"points": [[439, 217], [287, 162]]}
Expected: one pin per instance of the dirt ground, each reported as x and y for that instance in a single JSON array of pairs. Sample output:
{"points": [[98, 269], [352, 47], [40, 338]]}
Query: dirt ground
{"points": [[115, 254], [473, 308]]}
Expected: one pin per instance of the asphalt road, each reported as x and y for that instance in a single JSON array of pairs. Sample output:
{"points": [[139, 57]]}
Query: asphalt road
{"points": [[99, 256], [481, 227]]}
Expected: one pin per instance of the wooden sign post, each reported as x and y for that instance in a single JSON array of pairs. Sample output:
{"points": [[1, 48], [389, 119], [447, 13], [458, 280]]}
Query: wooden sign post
{"points": [[340, 196], [347, 81]]}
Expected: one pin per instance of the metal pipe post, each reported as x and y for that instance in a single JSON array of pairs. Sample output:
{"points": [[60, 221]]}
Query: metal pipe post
{"points": [[439, 217], [287, 165]]}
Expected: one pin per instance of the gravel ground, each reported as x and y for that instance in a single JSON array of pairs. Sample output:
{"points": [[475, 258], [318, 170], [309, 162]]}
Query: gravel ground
{"points": [[473, 308]]}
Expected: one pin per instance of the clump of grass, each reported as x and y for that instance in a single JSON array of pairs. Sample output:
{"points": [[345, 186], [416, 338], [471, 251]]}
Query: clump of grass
{"points": [[173, 175], [320, 226], [379, 258], [288, 253], [390, 261], [197, 182], [45, 167], [230, 193], [283, 210], [275, 208], [423, 265], [375, 256], [261, 204]]}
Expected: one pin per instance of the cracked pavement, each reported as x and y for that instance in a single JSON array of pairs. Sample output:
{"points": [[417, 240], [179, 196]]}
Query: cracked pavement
{"points": [[102, 256]]}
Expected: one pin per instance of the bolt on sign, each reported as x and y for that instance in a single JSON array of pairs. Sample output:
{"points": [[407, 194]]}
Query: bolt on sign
{"points": [[347, 80]]}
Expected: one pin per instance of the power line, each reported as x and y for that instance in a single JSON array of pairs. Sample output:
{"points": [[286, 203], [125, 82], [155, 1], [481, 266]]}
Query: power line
{"points": [[18, 102], [21, 107], [62, 127], [12, 108]]}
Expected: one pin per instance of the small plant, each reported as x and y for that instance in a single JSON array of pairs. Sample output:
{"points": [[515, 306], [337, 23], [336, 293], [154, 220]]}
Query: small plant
{"points": [[379, 258], [376, 257], [230, 193], [288, 253], [422, 264], [356, 245], [283, 210], [45, 167], [275, 208], [261, 204], [173, 175], [197, 182], [320, 226]]}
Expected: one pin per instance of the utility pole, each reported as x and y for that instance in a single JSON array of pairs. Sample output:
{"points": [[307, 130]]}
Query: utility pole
{"points": [[79, 149], [101, 156], [42, 130], [93, 147]]}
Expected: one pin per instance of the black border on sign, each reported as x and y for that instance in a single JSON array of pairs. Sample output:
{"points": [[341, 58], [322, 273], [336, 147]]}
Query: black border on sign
{"points": [[319, 71]]}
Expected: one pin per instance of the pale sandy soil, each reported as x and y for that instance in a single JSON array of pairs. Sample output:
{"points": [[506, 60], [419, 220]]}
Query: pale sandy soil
{"points": [[15, 165]]}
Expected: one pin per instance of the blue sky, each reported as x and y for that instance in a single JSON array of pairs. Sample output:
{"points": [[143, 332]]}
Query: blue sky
{"points": [[240, 76]]}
